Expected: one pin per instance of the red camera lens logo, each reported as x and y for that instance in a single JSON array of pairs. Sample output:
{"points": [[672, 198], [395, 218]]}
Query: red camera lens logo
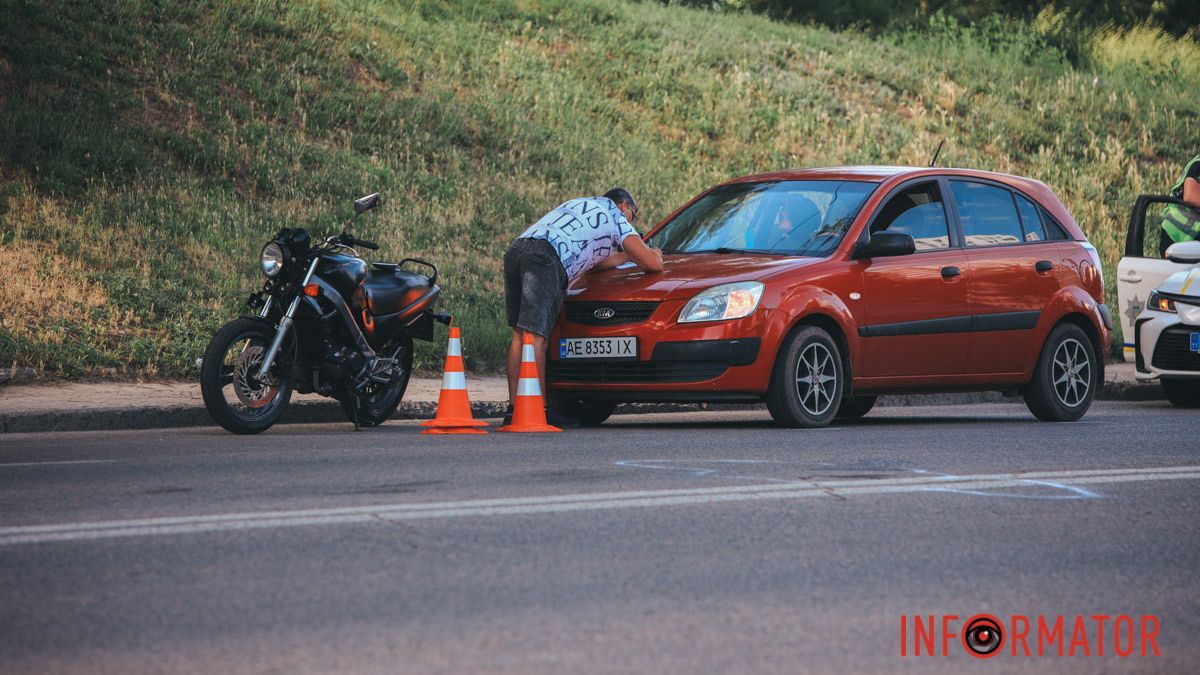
{"points": [[983, 636]]}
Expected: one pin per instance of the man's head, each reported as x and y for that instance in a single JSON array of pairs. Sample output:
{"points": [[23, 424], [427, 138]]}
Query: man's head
{"points": [[625, 202]]}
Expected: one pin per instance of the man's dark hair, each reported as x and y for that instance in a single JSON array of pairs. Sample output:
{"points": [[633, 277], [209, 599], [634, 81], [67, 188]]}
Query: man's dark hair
{"points": [[622, 196]]}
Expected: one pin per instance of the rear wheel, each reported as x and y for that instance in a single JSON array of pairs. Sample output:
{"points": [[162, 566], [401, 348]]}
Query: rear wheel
{"points": [[1066, 377], [1183, 393], [854, 407], [378, 402], [806, 384], [587, 413], [233, 394]]}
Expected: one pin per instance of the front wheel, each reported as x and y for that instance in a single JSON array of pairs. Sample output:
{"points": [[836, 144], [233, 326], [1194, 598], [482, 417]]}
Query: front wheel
{"points": [[233, 394], [1066, 376], [378, 402], [1183, 393], [807, 382], [855, 407]]}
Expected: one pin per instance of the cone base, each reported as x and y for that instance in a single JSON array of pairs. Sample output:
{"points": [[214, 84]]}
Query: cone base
{"points": [[449, 431], [528, 428], [454, 422]]}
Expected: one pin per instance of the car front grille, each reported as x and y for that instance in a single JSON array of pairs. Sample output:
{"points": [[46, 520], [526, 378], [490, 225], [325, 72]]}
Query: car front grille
{"points": [[622, 312], [1172, 351], [633, 372]]}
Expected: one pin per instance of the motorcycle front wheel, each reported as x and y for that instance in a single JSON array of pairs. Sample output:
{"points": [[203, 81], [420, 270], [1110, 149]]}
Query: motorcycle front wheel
{"points": [[234, 396], [376, 404]]}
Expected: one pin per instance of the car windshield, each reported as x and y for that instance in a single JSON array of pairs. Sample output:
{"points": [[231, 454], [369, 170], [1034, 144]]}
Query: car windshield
{"points": [[800, 218]]}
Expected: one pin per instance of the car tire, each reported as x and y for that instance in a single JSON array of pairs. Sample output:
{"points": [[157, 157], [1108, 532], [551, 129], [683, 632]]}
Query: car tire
{"points": [[855, 407], [586, 413], [1183, 393], [807, 381], [1066, 377]]}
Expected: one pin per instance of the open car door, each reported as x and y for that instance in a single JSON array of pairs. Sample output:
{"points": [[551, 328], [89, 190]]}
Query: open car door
{"points": [[1143, 267]]}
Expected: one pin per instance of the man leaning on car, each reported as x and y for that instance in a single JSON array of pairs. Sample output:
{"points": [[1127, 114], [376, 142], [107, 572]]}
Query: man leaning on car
{"points": [[578, 236]]}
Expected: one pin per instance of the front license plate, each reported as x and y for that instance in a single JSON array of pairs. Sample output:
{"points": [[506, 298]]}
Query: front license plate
{"points": [[1195, 344], [598, 348]]}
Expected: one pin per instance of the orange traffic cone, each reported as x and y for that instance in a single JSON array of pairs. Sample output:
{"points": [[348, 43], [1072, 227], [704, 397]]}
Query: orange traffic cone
{"points": [[529, 410], [454, 408]]}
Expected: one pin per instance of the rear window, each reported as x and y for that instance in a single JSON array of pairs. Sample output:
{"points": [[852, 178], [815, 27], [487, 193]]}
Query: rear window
{"points": [[1031, 220], [987, 213], [801, 218]]}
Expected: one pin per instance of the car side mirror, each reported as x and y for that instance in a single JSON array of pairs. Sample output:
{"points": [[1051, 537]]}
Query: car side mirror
{"points": [[1186, 252], [885, 244]]}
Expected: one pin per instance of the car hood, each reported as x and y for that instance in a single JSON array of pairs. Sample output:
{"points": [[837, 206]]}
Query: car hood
{"points": [[1185, 283], [683, 275]]}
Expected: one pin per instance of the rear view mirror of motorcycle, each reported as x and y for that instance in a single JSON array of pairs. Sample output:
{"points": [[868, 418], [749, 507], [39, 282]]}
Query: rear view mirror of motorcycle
{"points": [[366, 203]]}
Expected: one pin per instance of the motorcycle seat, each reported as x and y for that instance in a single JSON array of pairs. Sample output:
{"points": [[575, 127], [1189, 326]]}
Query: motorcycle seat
{"points": [[388, 292]]}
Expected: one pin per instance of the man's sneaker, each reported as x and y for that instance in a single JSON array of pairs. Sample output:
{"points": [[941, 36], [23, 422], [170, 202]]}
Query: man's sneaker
{"points": [[561, 421]]}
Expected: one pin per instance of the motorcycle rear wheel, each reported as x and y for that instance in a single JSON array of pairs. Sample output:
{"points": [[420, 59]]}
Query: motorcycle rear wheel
{"points": [[379, 402], [232, 394]]}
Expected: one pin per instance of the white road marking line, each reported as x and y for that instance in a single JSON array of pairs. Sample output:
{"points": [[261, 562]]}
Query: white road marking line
{"points": [[73, 461], [576, 502]]}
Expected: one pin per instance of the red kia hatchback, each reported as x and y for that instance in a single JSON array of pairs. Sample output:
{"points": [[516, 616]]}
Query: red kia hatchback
{"points": [[817, 290]]}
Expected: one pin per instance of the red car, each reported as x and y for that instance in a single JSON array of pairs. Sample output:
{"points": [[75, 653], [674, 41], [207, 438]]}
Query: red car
{"points": [[817, 290]]}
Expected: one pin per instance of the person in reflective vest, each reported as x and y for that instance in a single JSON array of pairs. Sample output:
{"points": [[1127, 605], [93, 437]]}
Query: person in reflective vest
{"points": [[1181, 222]]}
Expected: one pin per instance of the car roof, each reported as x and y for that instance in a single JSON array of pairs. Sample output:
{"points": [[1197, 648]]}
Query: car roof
{"points": [[876, 174]]}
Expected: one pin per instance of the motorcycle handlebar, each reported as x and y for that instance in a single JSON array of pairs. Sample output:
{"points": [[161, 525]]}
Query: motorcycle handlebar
{"points": [[351, 240]]}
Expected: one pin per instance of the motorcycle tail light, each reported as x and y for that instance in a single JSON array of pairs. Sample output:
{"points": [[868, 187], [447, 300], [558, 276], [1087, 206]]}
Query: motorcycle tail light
{"points": [[312, 290]]}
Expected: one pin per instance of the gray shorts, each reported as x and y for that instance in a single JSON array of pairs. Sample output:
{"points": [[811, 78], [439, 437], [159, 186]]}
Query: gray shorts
{"points": [[534, 285]]}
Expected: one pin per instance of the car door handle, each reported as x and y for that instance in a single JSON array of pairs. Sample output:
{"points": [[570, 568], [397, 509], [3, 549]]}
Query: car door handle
{"points": [[951, 271], [1132, 277], [1043, 266]]}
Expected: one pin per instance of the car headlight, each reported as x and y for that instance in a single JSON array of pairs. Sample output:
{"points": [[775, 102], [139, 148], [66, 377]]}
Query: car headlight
{"points": [[272, 259], [1158, 302], [720, 303]]}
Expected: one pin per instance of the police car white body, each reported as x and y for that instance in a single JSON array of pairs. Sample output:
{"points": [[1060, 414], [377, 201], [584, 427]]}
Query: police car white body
{"points": [[1166, 334]]}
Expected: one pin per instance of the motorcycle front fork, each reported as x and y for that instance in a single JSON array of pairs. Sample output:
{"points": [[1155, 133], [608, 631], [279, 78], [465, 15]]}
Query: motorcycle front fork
{"points": [[285, 324]]}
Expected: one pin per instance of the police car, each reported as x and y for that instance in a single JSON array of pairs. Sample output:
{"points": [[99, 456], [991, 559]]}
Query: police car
{"points": [[1166, 334]]}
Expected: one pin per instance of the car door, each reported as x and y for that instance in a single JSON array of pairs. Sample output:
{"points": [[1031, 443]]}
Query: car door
{"points": [[1015, 271], [1143, 267], [915, 317]]}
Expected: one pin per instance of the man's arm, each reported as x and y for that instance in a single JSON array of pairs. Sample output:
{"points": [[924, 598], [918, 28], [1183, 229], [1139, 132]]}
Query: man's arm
{"points": [[649, 259], [611, 261], [1191, 192]]}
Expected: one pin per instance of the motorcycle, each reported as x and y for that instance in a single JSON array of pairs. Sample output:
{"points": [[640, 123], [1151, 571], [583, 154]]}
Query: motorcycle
{"points": [[323, 322]]}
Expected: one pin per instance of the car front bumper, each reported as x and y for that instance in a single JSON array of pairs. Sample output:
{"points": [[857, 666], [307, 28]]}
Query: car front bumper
{"points": [[1162, 346]]}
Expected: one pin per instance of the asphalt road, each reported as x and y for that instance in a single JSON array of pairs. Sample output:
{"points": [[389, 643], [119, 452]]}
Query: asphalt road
{"points": [[685, 543]]}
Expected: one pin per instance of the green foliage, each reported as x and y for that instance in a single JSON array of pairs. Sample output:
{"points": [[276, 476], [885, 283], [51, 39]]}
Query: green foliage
{"points": [[148, 148]]}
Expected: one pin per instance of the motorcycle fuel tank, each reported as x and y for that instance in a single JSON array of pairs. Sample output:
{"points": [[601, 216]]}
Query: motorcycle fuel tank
{"points": [[344, 272]]}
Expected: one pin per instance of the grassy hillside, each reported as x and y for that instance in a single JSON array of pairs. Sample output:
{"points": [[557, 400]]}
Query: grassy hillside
{"points": [[149, 148]]}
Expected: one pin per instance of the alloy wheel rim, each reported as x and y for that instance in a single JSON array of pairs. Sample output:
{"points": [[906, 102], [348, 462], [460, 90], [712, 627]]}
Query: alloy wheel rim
{"points": [[1071, 370], [816, 379]]}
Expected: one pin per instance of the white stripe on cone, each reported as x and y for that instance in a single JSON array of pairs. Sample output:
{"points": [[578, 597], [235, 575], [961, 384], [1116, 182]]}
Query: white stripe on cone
{"points": [[528, 386], [527, 354], [455, 349], [454, 380]]}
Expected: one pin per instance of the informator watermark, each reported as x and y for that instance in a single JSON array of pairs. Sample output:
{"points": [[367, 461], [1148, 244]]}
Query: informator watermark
{"points": [[985, 636]]}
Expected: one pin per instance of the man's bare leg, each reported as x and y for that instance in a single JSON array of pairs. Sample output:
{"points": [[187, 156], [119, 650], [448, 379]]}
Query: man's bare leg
{"points": [[514, 365]]}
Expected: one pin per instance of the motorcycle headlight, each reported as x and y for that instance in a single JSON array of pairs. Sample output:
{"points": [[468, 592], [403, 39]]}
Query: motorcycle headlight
{"points": [[720, 303], [1160, 303], [272, 259]]}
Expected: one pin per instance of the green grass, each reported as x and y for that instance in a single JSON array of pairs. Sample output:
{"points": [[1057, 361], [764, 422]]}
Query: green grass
{"points": [[149, 149]]}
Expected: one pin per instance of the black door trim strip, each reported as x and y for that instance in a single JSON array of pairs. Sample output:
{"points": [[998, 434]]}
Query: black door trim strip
{"points": [[955, 324]]}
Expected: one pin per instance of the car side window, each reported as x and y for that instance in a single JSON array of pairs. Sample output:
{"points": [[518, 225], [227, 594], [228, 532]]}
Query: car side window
{"points": [[1054, 231], [917, 211], [988, 214], [1031, 220]]}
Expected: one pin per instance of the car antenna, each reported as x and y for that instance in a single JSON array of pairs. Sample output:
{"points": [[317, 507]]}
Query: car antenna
{"points": [[937, 152]]}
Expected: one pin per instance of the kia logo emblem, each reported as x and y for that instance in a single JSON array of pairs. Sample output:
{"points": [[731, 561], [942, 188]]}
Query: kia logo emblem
{"points": [[604, 313]]}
